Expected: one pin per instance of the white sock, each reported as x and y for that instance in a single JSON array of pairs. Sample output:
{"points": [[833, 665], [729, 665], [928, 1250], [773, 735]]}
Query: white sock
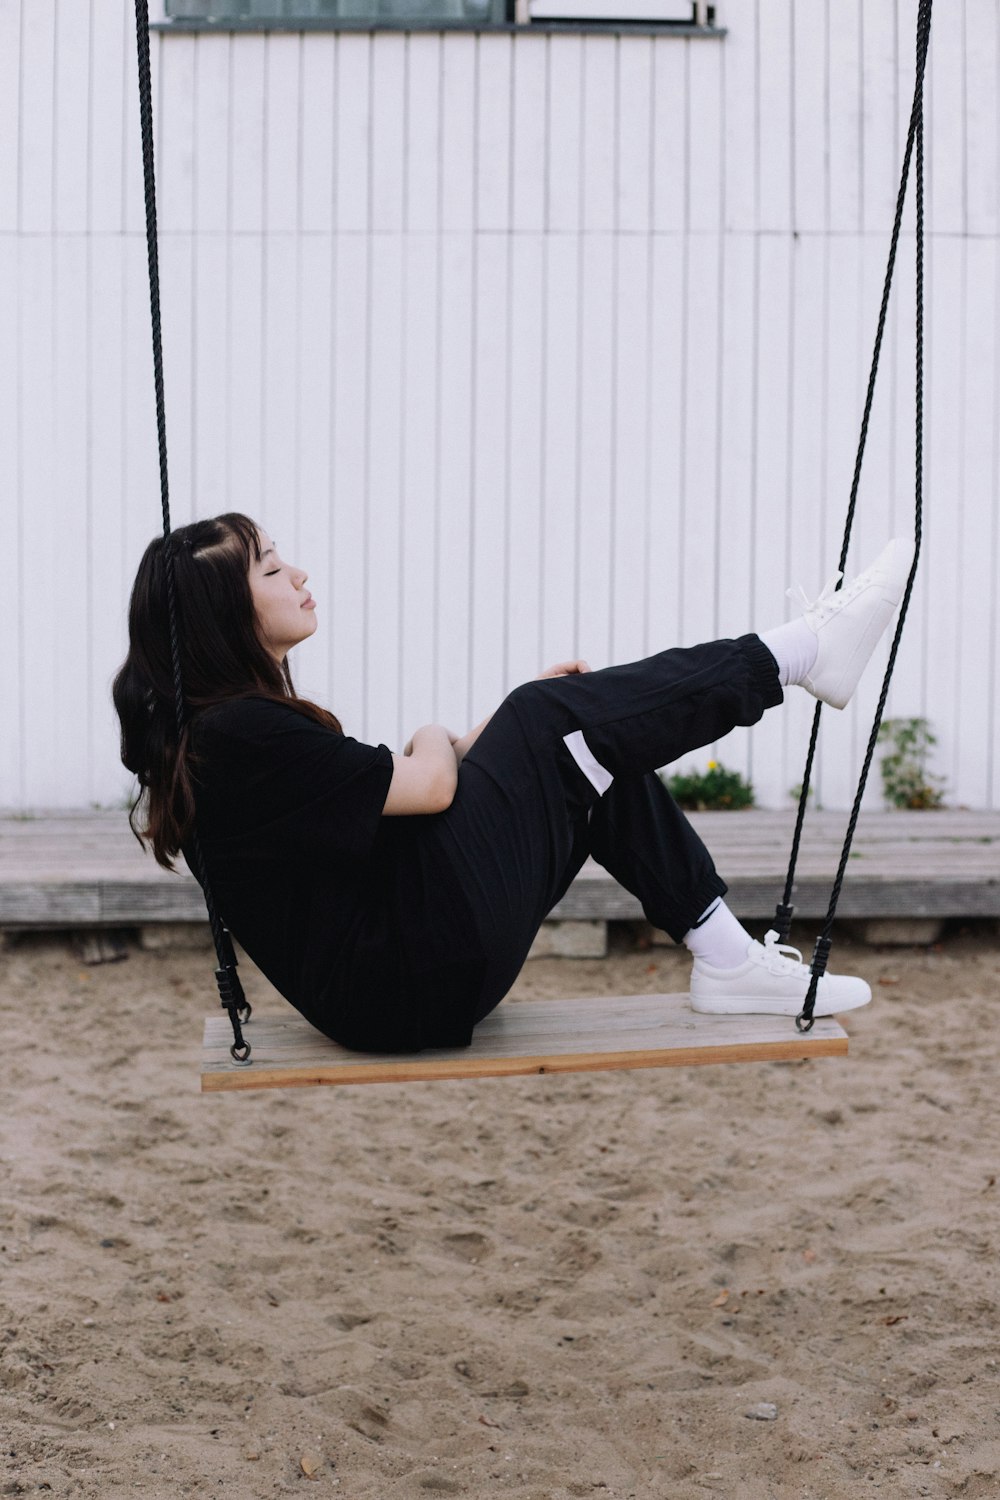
{"points": [[794, 648], [718, 938]]}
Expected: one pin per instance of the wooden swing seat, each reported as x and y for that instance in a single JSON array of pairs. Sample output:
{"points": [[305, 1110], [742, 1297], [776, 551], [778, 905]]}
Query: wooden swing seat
{"points": [[520, 1037]]}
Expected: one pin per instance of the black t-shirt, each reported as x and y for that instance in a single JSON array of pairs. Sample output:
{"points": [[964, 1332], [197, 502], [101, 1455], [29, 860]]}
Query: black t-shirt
{"points": [[355, 918]]}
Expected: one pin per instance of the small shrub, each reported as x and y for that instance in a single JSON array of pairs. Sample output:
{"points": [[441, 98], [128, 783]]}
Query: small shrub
{"points": [[906, 781], [714, 787]]}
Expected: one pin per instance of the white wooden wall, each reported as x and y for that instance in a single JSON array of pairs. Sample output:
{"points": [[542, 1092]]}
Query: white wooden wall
{"points": [[524, 346]]}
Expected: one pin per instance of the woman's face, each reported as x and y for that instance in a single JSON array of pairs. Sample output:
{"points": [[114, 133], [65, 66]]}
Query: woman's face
{"points": [[285, 610]]}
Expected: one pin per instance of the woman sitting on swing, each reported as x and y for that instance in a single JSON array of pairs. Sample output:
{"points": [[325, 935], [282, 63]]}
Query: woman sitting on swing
{"points": [[392, 898]]}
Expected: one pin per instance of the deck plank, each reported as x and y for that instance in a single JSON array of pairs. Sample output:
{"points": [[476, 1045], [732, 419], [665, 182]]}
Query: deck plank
{"points": [[85, 868]]}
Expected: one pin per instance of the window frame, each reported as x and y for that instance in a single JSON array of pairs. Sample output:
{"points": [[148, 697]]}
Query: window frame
{"points": [[519, 22]]}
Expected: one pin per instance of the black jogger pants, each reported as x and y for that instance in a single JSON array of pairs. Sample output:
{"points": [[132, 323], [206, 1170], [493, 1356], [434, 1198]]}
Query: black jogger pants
{"points": [[565, 769]]}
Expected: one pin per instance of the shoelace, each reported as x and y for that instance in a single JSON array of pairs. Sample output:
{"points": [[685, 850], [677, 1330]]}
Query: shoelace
{"points": [[777, 956], [829, 597]]}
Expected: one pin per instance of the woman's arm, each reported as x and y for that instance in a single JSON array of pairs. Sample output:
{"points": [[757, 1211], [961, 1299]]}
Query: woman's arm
{"points": [[425, 776], [462, 746], [561, 669]]}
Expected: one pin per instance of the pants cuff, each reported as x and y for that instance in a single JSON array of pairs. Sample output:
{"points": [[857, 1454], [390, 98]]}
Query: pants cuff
{"points": [[764, 669], [700, 896]]}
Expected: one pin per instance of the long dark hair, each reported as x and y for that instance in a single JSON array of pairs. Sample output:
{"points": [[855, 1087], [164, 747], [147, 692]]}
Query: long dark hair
{"points": [[222, 657]]}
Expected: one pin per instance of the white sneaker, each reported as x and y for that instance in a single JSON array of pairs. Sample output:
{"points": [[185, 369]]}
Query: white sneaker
{"points": [[849, 623], [771, 983]]}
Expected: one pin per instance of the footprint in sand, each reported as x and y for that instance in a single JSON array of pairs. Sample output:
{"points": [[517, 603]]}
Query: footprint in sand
{"points": [[470, 1246]]}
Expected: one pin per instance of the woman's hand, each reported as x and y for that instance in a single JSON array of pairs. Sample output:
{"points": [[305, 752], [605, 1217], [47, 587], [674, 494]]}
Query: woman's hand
{"points": [[563, 669]]}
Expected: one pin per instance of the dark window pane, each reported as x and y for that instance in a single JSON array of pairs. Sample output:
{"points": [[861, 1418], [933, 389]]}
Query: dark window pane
{"points": [[456, 11]]}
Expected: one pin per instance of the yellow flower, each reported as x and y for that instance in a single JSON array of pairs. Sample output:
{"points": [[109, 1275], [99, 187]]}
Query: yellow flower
{"points": [[713, 765]]}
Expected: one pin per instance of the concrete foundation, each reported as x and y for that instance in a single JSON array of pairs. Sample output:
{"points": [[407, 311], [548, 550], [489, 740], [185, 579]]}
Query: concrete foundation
{"points": [[571, 940], [192, 936], [897, 932]]}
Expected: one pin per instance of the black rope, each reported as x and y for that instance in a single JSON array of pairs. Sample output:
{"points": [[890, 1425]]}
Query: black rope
{"points": [[914, 145], [230, 988], [785, 909]]}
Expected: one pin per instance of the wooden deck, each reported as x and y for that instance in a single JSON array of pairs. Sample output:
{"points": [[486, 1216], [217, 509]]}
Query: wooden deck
{"points": [[83, 869]]}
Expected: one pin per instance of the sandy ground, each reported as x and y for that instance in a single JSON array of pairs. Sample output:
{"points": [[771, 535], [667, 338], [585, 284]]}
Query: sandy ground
{"points": [[536, 1288]]}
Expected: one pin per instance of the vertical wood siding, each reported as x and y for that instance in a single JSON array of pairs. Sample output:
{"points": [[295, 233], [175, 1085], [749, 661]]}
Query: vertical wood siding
{"points": [[526, 346]]}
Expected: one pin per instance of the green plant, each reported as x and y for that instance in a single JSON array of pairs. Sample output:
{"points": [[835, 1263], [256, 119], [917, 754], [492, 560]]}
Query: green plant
{"points": [[714, 787], [906, 781]]}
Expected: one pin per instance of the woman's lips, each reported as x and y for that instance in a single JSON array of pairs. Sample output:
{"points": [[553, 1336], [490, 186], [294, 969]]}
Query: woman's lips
{"points": [[309, 603]]}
